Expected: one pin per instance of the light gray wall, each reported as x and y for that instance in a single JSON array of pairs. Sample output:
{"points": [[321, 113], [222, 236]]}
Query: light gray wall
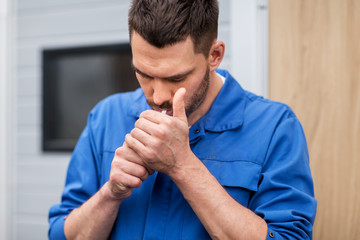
{"points": [[39, 176], [249, 44], [3, 119]]}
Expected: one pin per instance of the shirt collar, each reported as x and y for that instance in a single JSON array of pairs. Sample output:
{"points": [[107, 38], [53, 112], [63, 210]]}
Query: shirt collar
{"points": [[226, 112]]}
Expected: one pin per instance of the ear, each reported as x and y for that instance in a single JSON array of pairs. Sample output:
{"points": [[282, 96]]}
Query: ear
{"points": [[216, 56]]}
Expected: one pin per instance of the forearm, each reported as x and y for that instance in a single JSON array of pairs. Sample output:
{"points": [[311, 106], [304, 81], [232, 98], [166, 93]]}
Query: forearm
{"points": [[221, 215], [94, 219]]}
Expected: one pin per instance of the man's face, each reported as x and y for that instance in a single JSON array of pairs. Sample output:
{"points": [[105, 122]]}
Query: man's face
{"points": [[161, 72]]}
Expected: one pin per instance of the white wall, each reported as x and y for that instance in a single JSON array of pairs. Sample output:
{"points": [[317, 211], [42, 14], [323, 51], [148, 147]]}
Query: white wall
{"points": [[249, 44], [5, 145], [3, 178], [45, 24], [39, 176]]}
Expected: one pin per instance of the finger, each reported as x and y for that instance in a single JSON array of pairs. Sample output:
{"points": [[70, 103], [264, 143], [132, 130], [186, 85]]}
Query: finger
{"points": [[135, 145], [122, 187], [147, 126], [141, 143], [135, 170], [137, 134], [127, 181], [127, 153], [127, 174], [145, 152], [153, 116], [151, 130], [179, 104]]}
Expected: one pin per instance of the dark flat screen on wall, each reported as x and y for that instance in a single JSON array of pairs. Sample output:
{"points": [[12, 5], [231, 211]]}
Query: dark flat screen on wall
{"points": [[74, 80]]}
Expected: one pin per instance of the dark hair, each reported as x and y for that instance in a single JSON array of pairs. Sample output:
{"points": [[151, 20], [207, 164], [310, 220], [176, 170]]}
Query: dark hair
{"points": [[166, 22]]}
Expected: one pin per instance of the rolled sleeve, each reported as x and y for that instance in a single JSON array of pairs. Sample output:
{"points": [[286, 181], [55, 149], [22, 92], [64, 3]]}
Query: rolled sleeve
{"points": [[272, 235], [285, 196], [56, 229]]}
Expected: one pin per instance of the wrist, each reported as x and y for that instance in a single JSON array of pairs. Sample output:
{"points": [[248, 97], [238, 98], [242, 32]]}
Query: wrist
{"points": [[107, 192], [184, 172]]}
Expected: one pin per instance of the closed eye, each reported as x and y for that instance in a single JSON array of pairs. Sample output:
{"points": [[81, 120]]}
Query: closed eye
{"points": [[180, 79], [174, 78], [144, 75]]}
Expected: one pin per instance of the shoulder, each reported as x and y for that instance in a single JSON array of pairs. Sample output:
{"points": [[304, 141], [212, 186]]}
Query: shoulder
{"points": [[112, 118], [122, 100], [115, 111], [119, 104], [266, 109], [268, 121], [254, 106]]}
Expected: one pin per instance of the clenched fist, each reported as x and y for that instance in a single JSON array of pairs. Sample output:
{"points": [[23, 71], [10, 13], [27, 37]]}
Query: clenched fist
{"points": [[127, 172]]}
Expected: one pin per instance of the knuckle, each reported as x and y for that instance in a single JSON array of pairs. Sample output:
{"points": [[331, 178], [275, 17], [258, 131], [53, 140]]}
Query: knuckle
{"points": [[114, 164], [167, 121], [121, 187], [157, 144], [128, 139], [118, 168], [144, 114], [134, 132], [142, 172], [149, 154], [119, 180], [119, 151], [137, 182], [113, 177], [161, 133], [139, 122]]}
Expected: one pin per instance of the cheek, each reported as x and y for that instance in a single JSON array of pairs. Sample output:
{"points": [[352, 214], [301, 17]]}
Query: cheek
{"points": [[193, 85], [190, 91]]}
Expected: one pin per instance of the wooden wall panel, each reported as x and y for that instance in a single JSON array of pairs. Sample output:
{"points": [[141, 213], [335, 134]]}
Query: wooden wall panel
{"points": [[314, 66]]}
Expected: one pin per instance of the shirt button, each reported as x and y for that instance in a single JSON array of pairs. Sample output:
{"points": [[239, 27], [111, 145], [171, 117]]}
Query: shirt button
{"points": [[196, 131], [271, 234]]}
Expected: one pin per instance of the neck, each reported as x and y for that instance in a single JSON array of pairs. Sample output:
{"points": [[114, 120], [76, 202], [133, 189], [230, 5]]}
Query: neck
{"points": [[214, 89]]}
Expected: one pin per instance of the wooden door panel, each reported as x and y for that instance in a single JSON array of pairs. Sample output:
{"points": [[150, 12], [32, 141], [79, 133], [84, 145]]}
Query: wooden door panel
{"points": [[314, 66]]}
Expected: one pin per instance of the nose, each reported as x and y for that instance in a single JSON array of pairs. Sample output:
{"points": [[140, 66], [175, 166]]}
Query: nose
{"points": [[162, 92]]}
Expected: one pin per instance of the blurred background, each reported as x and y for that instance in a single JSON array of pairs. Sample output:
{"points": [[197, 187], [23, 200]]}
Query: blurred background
{"points": [[305, 53]]}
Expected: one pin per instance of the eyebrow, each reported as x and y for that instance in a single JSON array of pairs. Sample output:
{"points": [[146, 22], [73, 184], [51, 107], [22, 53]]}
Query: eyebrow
{"points": [[170, 78], [140, 72]]}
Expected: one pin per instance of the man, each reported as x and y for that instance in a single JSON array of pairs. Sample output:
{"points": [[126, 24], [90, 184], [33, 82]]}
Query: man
{"points": [[190, 155]]}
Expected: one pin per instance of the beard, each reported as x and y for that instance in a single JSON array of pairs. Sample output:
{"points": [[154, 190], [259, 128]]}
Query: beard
{"points": [[195, 100], [199, 96]]}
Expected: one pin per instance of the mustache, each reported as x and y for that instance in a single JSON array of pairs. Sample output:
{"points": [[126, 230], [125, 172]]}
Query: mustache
{"points": [[165, 105]]}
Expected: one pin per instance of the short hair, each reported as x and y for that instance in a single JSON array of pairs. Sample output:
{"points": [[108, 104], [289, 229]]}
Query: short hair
{"points": [[166, 22]]}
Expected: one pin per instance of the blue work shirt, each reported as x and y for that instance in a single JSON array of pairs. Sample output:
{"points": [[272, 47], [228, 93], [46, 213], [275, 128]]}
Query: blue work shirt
{"points": [[254, 147]]}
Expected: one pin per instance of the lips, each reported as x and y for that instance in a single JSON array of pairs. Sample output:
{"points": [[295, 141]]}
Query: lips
{"points": [[168, 112]]}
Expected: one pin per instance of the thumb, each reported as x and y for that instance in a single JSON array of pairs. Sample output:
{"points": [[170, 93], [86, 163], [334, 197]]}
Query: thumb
{"points": [[179, 104]]}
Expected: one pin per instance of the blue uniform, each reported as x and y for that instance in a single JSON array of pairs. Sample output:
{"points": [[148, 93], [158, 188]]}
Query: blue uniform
{"points": [[254, 147]]}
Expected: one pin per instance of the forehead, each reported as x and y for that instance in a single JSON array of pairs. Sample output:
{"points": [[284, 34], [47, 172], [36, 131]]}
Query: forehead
{"points": [[156, 61]]}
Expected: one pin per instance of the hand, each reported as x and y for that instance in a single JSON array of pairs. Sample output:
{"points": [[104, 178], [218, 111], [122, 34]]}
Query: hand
{"points": [[127, 172], [160, 140]]}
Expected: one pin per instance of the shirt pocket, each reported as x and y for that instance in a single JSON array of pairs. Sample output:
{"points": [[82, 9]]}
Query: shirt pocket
{"points": [[240, 178]]}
